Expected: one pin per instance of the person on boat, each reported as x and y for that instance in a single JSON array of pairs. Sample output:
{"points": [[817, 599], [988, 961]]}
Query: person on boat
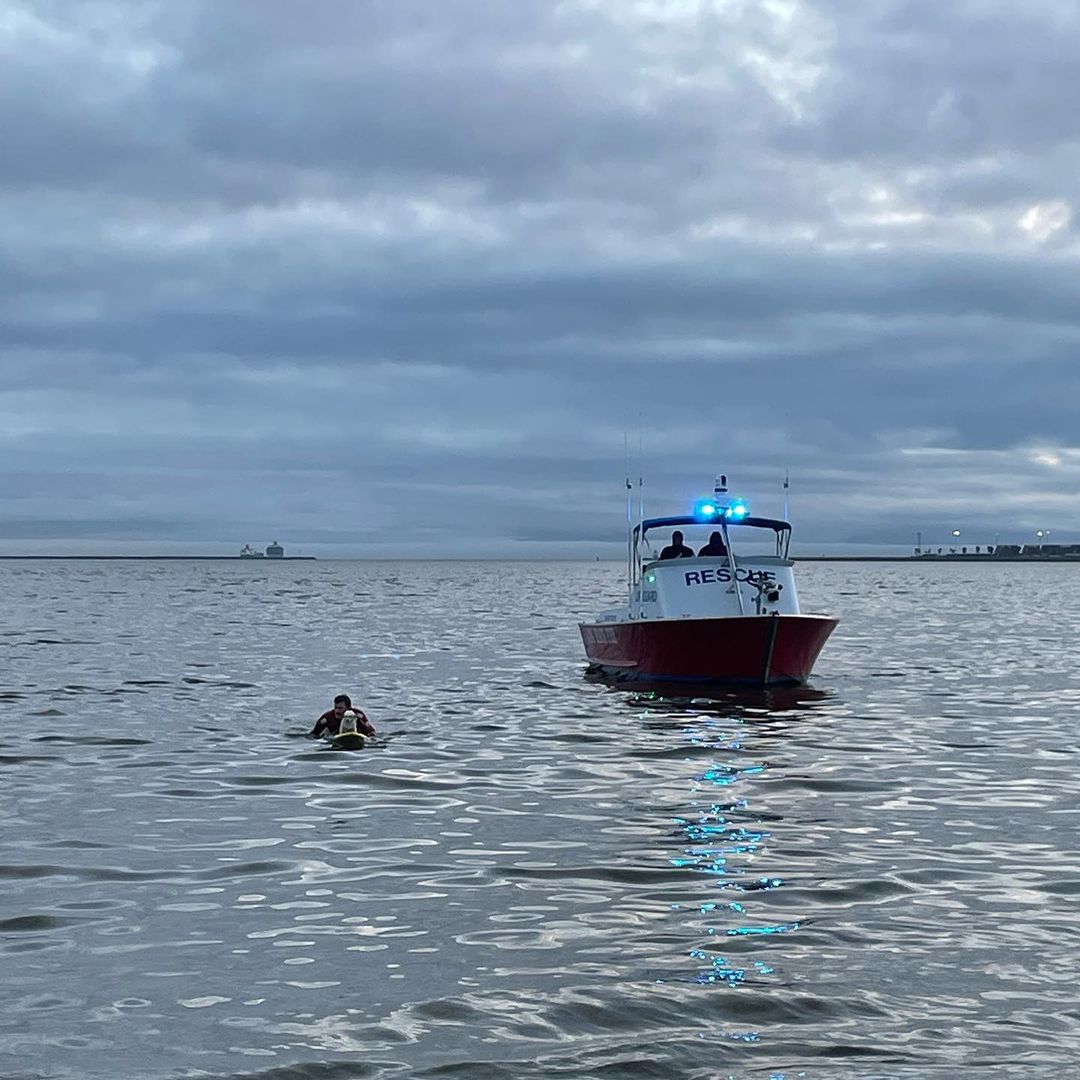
{"points": [[330, 722], [715, 546], [677, 549]]}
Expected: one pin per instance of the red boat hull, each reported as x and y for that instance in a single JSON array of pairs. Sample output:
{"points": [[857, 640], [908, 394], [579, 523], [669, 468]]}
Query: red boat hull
{"points": [[756, 650]]}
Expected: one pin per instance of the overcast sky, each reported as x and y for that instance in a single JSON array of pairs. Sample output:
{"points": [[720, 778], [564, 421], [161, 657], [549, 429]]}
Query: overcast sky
{"points": [[406, 276]]}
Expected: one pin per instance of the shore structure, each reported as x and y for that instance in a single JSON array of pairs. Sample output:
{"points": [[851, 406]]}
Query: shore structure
{"points": [[1004, 552]]}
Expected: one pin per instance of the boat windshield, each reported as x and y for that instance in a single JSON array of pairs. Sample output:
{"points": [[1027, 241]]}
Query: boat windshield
{"points": [[651, 540]]}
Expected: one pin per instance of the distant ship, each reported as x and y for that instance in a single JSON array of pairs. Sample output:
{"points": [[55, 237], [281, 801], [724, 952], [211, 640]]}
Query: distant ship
{"points": [[273, 551]]}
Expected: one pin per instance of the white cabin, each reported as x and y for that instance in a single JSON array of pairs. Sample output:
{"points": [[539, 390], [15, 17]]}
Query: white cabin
{"points": [[709, 586]]}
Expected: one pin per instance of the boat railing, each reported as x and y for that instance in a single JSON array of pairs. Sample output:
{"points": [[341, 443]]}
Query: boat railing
{"points": [[713, 560]]}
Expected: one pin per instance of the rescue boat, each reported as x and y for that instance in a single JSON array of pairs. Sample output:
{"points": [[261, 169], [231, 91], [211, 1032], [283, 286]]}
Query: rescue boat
{"points": [[727, 619]]}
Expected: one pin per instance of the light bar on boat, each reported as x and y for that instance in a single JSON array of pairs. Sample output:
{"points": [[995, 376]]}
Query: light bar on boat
{"points": [[710, 510]]}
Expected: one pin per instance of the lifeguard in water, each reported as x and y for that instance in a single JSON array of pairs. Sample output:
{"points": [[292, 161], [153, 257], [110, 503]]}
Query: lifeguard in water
{"points": [[331, 722]]}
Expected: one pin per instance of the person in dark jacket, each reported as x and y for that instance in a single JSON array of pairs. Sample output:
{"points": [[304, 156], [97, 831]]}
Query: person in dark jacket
{"points": [[715, 546], [677, 549], [330, 722]]}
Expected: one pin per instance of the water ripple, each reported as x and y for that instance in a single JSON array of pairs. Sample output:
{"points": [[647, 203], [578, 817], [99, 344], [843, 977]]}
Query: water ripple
{"points": [[530, 874]]}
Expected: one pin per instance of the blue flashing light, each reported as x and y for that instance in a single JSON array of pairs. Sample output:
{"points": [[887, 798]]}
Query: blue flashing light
{"points": [[737, 510], [705, 508]]}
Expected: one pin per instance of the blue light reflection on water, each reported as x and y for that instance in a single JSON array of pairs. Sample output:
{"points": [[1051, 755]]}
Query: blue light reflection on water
{"points": [[726, 863]]}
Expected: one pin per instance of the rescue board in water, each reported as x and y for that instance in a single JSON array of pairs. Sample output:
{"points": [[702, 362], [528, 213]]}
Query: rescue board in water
{"points": [[348, 737], [348, 740]]}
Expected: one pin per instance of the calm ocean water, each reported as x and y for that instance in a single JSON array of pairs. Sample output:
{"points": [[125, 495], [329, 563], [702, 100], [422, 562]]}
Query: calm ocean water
{"points": [[531, 875]]}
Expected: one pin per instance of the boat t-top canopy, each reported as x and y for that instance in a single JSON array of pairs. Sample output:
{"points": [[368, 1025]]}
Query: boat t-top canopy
{"points": [[721, 513], [776, 525]]}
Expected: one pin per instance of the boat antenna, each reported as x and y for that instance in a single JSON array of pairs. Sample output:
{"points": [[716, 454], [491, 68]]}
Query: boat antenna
{"points": [[629, 513], [787, 485], [641, 472]]}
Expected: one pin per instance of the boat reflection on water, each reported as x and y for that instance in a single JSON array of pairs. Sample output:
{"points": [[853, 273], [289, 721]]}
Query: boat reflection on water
{"points": [[741, 702]]}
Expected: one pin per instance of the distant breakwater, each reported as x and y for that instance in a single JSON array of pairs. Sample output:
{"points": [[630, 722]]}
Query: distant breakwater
{"points": [[988, 559]]}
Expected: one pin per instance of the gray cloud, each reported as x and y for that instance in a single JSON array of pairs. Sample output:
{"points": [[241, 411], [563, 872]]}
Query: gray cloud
{"points": [[394, 277]]}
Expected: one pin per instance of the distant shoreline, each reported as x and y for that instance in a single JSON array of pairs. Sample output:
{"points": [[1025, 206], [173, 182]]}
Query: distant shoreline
{"points": [[986, 559], [189, 558]]}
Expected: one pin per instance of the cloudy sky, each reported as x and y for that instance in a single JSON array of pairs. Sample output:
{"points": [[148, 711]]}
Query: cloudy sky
{"points": [[379, 277]]}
